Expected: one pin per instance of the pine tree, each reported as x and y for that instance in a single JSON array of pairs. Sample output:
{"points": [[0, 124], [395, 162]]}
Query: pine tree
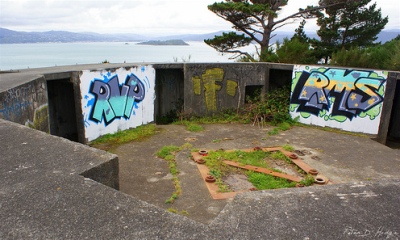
{"points": [[348, 25], [299, 33]]}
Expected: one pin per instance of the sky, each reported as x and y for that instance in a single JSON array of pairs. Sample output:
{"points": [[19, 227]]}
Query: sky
{"points": [[146, 17]]}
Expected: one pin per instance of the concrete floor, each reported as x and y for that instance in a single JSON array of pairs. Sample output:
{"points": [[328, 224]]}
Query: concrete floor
{"points": [[341, 158]]}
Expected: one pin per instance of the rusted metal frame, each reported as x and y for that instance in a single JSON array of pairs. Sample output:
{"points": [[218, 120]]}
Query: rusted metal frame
{"points": [[213, 188]]}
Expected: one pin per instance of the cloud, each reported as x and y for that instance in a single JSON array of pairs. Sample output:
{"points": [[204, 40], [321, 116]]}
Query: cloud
{"points": [[105, 16], [157, 17]]}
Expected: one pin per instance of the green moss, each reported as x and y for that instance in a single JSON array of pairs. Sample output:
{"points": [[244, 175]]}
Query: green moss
{"points": [[121, 137]]}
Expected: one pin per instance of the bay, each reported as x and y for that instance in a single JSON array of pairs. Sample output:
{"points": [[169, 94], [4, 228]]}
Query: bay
{"points": [[35, 55]]}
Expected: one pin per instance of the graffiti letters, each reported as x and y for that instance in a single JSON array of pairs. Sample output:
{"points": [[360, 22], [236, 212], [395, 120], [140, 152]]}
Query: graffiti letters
{"points": [[18, 93], [113, 100], [342, 92], [212, 81]]}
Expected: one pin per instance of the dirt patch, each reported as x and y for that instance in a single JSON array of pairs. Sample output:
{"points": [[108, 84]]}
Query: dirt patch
{"points": [[284, 167]]}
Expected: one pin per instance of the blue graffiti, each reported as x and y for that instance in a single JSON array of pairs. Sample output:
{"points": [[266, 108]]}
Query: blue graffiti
{"points": [[16, 110], [113, 100], [351, 92]]}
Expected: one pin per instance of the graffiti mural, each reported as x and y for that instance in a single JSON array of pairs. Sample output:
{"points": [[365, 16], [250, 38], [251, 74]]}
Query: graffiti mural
{"points": [[114, 101], [338, 97], [212, 81]]}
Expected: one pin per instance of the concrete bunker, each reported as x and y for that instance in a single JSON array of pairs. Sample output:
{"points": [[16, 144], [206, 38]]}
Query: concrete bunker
{"points": [[62, 94], [189, 88]]}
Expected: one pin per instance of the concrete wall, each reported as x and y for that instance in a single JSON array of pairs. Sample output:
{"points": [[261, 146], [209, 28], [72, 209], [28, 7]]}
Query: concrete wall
{"points": [[341, 98], [115, 100], [210, 88], [26, 104]]}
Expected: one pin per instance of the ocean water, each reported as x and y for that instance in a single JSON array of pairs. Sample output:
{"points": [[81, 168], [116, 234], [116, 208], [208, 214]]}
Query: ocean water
{"points": [[35, 55]]}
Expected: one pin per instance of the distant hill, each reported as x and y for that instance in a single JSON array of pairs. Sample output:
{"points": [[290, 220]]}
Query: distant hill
{"points": [[10, 36], [191, 37], [166, 42]]}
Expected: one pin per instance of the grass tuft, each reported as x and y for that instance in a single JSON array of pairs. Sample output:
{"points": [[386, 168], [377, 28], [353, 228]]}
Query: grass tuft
{"points": [[263, 181], [133, 134]]}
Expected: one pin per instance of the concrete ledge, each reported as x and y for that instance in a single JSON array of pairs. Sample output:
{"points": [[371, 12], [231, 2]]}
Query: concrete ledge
{"points": [[44, 196], [365, 210]]}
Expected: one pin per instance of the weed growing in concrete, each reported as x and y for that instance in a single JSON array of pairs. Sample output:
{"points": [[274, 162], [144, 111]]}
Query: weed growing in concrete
{"points": [[176, 211], [168, 153], [191, 126], [133, 134], [288, 148], [186, 145], [173, 210], [278, 155], [283, 126], [274, 131], [262, 181], [308, 180], [184, 212]]}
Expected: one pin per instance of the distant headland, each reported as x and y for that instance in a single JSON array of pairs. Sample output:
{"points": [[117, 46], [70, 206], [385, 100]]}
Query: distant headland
{"points": [[166, 42]]}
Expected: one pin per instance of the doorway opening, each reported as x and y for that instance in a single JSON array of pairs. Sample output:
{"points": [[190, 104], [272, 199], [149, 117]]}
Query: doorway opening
{"points": [[62, 112], [170, 95], [393, 138]]}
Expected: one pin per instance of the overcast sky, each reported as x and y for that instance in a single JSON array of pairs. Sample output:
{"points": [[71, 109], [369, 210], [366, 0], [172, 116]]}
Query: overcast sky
{"points": [[155, 17]]}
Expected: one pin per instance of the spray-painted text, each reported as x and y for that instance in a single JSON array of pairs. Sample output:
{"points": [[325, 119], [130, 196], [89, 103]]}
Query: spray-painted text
{"points": [[113, 100]]}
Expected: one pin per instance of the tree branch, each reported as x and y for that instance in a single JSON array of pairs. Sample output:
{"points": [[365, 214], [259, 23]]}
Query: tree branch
{"points": [[240, 53], [298, 14]]}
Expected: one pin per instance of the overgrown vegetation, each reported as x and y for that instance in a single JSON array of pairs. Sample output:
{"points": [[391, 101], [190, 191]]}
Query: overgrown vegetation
{"points": [[262, 181], [192, 126], [121, 137], [260, 110], [176, 211]]}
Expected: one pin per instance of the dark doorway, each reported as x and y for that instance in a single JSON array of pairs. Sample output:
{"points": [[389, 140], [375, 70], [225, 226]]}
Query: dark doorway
{"points": [[253, 93], [393, 139], [279, 78], [169, 92], [62, 112]]}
